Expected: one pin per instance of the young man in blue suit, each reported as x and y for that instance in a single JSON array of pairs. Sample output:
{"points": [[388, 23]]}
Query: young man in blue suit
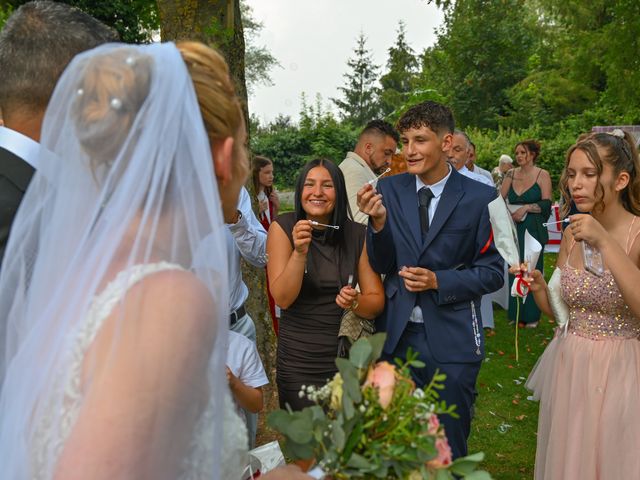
{"points": [[429, 233]]}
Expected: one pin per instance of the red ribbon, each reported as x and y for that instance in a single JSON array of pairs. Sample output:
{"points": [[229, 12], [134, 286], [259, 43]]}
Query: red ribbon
{"points": [[522, 286], [488, 244]]}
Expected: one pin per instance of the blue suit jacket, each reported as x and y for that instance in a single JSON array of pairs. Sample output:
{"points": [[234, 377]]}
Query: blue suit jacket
{"points": [[459, 248]]}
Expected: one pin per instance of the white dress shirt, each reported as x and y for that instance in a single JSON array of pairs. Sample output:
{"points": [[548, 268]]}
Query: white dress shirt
{"points": [[437, 189], [476, 176], [245, 239], [20, 145]]}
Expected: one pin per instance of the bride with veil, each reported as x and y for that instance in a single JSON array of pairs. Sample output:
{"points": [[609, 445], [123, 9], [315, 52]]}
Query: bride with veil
{"points": [[113, 332]]}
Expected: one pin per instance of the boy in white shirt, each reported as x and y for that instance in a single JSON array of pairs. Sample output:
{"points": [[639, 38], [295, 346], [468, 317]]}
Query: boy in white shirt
{"points": [[246, 377]]}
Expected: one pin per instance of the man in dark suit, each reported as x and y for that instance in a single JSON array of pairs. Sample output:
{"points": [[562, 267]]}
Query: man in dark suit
{"points": [[36, 44], [429, 233]]}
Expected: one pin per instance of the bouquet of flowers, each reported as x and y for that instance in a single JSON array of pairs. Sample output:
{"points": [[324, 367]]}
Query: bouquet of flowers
{"points": [[370, 421]]}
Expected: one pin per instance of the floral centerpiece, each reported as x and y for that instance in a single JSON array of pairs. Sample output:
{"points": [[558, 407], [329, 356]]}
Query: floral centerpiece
{"points": [[370, 421]]}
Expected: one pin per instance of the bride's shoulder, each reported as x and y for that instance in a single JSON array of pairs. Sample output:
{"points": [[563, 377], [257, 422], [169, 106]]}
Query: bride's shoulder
{"points": [[170, 294]]}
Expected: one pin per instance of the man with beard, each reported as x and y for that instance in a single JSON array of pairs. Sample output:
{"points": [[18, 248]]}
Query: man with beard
{"points": [[372, 155]]}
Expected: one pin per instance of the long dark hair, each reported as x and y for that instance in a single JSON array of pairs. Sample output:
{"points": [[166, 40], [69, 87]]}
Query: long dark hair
{"points": [[259, 163], [341, 211], [531, 146]]}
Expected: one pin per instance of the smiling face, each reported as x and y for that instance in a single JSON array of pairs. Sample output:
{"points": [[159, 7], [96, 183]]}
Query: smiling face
{"points": [[425, 153], [318, 195]]}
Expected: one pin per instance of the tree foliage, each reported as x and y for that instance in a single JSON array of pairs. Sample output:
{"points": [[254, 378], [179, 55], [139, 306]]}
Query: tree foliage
{"points": [[359, 102], [290, 146], [134, 20], [402, 68]]}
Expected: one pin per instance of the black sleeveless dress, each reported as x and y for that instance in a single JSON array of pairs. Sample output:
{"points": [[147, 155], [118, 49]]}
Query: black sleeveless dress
{"points": [[308, 337]]}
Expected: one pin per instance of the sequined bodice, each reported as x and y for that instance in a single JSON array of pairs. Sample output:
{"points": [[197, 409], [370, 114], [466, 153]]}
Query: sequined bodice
{"points": [[596, 307]]}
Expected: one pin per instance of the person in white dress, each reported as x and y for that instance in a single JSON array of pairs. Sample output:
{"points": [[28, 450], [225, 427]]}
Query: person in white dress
{"points": [[114, 335]]}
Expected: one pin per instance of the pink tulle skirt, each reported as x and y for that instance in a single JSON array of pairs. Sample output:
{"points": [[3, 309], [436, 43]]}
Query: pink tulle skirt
{"points": [[589, 422]]}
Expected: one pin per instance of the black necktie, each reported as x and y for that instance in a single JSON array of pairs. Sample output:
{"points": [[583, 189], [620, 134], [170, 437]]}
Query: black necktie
{"points": [[424, 199]]}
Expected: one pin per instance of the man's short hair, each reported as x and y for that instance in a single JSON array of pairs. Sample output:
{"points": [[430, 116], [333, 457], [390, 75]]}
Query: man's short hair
{"points": [[380, 127], [36, 44], [466, 137], [430, 114]]}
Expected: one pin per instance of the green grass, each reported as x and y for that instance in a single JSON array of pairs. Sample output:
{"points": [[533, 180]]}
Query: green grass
{"points": [[505, 423]]}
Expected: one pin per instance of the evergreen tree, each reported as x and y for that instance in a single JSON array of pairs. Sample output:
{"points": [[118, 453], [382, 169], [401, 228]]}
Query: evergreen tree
{"points": [[359, 102], [402, 67]]}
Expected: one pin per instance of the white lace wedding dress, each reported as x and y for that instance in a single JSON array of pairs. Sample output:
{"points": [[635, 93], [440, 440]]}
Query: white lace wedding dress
{"points": [[52, 432]]}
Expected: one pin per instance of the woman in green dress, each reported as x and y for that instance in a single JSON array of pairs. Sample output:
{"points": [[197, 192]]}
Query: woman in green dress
{"points": [[527, 190]]}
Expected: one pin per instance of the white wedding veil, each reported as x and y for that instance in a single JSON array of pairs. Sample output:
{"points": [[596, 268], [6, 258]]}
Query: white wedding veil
{"points": [[113, 340]]}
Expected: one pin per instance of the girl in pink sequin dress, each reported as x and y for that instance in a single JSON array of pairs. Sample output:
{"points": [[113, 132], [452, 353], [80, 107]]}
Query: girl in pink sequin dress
{"points": [[588, 378]]}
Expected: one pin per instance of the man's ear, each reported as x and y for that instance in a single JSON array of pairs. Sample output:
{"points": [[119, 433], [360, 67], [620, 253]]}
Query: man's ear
{"points": [[368, 148], [447, 140], [622, 181], [222, 151]]}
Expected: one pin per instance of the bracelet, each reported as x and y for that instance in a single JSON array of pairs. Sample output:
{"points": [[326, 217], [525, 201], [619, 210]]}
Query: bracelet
{"points": [[355, 304]]}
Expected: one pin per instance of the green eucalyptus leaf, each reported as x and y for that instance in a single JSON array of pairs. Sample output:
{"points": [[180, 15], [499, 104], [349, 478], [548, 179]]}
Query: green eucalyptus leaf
{"points": [[358, 462], [337, 435], [377, 344], [443, 475], [478, 475], [279, 420], [351, 384], [360, 353], [347, 406], [300, 430], [463, 466], [297, 451]]}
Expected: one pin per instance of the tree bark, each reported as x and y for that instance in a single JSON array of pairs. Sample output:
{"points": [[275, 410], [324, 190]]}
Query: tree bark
{"points": [[218, 23]]}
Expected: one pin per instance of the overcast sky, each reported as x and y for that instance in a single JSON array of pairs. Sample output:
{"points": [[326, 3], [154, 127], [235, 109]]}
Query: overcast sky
{"points": [[312, 40]]}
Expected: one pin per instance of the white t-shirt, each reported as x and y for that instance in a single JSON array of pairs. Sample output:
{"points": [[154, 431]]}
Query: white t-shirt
{"points": [[244, 361]]}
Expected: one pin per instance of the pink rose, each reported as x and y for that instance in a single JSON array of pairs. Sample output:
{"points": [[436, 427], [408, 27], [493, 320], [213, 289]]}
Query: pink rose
{"points": [[434, 424], [383, 377], [444, 454]]}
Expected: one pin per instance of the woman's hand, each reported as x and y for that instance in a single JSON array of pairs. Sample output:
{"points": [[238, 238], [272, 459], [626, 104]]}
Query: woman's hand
{"points": [[302, 236], [586, 228], [520, 213], [536, 281], [347, 297], [263, 206]]}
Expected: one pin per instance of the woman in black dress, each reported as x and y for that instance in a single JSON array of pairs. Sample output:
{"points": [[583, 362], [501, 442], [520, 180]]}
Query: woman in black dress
{"points": [[310, 265]]}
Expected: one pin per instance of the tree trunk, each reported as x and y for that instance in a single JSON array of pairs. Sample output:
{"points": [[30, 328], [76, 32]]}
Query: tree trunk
{"points": [[218, 23]]}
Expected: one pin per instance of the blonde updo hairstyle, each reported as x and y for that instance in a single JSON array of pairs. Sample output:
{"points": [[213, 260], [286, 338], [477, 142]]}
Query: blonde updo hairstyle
{"points": [[110, 94], [618, 150], [220, 106]]}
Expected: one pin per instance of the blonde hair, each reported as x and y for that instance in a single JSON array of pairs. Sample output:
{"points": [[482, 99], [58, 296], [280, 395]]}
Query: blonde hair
{"points": [[112, 91], [619, 152], [220, 106]]}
